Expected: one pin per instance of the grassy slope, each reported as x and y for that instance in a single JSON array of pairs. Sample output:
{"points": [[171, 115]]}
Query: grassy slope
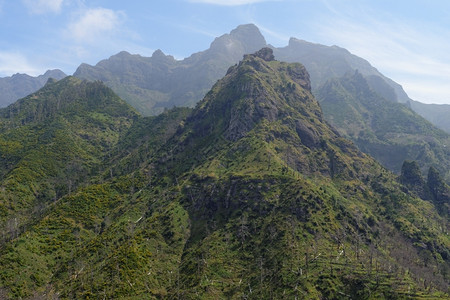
{"points": [[253, 196], [51, 142], [390, 132]]}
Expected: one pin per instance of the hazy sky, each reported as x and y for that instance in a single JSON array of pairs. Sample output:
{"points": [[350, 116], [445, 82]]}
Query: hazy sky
{"points": [[408, 41]]}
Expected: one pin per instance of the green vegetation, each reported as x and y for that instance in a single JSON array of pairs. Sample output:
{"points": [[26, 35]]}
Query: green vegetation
{"points": [[250, 195], [388, 131], [53, 141]]}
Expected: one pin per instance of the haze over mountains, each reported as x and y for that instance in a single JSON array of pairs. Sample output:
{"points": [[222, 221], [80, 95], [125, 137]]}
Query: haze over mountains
{"points": [[389, 131], [21, 85], [251, 194], [152, 84], [435, 113], [324, 63], [206, 67]]}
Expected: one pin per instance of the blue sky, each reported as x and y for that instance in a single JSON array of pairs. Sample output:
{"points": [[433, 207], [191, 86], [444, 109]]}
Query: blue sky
{"points": [[408, 41]]}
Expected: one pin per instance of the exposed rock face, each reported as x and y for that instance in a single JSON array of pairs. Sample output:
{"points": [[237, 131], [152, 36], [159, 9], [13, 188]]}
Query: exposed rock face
{"points": [[151, 84], [260, 103], [265, 53], [243, 118], [309, 136], [301, 76]]}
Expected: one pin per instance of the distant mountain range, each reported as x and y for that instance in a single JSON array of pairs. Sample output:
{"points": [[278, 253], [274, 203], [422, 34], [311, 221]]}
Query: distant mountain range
{"points": [[389, 131], [157, 83], [147, 82], [21, 85], [438, 114], [324, 63], [252, 194], [153, 84]]}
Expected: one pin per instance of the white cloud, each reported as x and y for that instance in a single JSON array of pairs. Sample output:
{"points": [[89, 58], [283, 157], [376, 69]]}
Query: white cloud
{"points": [[94, 24], [229, 2], [13, 62], [43, 6]]}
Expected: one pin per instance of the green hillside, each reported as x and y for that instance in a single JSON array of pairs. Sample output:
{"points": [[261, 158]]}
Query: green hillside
{"points": [[53, 141], [251, 195], [390, 132]]}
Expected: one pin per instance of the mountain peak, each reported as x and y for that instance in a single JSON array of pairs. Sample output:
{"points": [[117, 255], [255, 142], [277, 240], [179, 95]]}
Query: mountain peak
{"points": [[160, 56], [18, 75], [55, 73], [122, 54], [242, 39], [293, 41], [265, 54], [158, 53], [260, 89], [51, 80], [246, 30]]}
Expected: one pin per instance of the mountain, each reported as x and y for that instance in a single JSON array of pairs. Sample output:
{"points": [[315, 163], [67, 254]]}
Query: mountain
{"points": [[324, 63], [156, 83], [138, 79], [390, 132], [51, 142], [249, 195], [20, 85], [151, 84], [438, 114]]}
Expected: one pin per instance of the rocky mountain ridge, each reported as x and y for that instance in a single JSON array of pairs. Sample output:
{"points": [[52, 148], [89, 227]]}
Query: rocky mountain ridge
{"points": [[251, 194], [20, 85], [151, 92], [388, 131], [159, 82]]}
